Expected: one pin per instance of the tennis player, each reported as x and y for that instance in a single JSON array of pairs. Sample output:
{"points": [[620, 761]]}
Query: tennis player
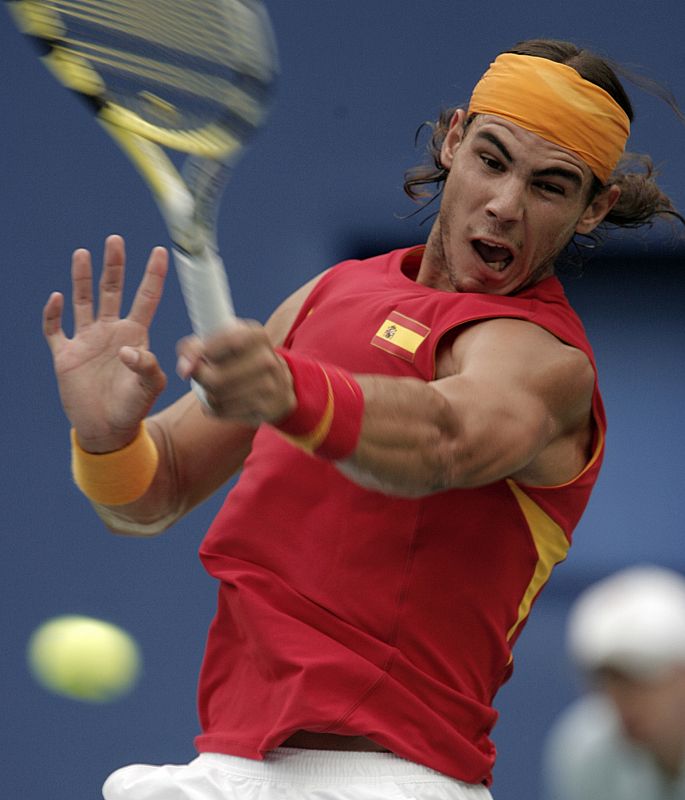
{"points": [[418, 434]]}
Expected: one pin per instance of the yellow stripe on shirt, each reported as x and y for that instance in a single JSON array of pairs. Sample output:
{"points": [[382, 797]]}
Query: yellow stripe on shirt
{"points": [[551, 544]]}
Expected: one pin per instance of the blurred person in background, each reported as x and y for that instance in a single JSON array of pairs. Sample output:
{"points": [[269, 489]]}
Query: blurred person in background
{"points": [[624, 740]]}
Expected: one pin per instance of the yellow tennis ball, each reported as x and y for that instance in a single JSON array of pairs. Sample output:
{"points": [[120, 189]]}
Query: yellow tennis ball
{"points": [[84, 658]]}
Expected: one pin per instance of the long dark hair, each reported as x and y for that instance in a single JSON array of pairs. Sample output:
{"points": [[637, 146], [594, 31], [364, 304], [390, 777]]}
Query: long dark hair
{"points": [[641, 201]]}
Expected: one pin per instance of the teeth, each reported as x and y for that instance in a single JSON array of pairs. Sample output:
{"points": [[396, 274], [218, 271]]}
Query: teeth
{"points": [[490, 247]]}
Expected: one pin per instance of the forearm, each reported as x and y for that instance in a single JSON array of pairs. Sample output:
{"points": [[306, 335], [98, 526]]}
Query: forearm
{"points": [[410, 442], [195, 455], [395, 435], [158, 507]]}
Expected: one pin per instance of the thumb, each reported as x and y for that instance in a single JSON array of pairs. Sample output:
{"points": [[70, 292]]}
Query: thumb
{"points": [[145, 365]]}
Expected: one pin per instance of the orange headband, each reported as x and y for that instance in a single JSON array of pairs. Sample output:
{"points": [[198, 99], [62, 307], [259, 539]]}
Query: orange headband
{"points": [[553, 101]]}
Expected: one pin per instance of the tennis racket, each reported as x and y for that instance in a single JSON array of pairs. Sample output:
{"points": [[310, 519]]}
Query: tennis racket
{"points": [[194, 77]]}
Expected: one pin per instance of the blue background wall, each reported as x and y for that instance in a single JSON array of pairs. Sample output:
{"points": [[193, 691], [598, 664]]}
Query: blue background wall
{"points": [[322, 181]]}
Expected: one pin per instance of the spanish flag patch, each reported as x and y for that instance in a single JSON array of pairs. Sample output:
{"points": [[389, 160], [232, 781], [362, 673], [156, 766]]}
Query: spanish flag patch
{"points": [[400, 335]]}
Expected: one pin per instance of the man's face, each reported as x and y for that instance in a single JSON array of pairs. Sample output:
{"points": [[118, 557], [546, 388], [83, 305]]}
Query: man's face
{"points": [[652, 713], [511, 203]]}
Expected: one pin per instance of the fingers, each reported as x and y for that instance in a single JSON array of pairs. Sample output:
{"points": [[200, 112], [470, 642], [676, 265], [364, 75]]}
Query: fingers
{"points": [[145, 365], [149, 292], [82, 288], [242, 376], [111, 279], [111, 285], [190, 352], [231, 354], [52, 321], [242, 341]]}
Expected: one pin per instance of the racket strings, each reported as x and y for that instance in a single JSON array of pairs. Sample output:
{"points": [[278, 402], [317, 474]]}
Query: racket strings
{"points": [[205, 96], [196, 76], [197, 29]]}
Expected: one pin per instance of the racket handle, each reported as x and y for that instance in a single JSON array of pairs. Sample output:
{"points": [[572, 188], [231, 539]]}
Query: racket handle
{"points": [[206, 293], [205, 290]]}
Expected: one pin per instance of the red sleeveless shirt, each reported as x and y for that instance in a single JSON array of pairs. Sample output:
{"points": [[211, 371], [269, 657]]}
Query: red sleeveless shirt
{"points": [[348, 611]]}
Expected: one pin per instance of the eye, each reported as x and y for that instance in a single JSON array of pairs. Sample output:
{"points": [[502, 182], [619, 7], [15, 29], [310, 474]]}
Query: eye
{"points": [[490, 162], [551, 188]]}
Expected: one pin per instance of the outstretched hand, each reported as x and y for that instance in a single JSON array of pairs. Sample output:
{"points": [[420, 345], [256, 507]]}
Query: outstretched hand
{"points": [[108, 379]]}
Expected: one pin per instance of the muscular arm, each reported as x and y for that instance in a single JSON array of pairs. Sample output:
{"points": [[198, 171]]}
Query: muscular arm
{"points": [[510, 400]]}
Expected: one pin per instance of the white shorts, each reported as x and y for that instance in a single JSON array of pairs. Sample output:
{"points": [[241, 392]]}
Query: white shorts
{"points": [[289, 774]]}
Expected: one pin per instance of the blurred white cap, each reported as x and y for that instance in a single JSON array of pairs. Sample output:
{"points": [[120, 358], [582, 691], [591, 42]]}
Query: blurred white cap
{"points": [[633, 621]]}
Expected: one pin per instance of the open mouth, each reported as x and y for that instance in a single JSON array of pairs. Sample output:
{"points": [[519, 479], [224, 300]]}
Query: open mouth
{"points": [[497, 256]]}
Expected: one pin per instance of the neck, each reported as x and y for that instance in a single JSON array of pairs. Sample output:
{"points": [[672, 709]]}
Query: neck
{"points": [[432, 271]]}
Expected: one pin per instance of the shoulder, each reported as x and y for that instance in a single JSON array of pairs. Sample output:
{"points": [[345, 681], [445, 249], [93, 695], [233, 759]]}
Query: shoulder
{"points": [[284, 316], [512, 332], [525, 353]]}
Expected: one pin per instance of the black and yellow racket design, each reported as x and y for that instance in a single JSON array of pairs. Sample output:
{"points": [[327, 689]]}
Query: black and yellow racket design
{"points": [[191, 76]]}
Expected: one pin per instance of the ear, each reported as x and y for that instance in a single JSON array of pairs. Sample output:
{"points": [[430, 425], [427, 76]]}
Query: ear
{"points": [[597, 210], [453, 138]]}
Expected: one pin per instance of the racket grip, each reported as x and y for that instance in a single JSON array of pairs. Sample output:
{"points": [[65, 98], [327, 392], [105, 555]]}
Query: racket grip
{"points": [[205, 290], [207, 295]]}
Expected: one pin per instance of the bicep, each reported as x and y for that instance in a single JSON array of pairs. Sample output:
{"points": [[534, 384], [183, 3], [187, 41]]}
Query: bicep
{"points": [[499, 427], [516, 390]]}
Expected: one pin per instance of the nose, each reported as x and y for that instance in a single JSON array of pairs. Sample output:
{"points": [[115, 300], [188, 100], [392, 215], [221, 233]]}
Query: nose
{"points": [[507, 202]]}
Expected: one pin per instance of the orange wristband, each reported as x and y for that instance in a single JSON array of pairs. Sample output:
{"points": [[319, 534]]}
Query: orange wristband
{"points": [[119, 477], [330, 405]]}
